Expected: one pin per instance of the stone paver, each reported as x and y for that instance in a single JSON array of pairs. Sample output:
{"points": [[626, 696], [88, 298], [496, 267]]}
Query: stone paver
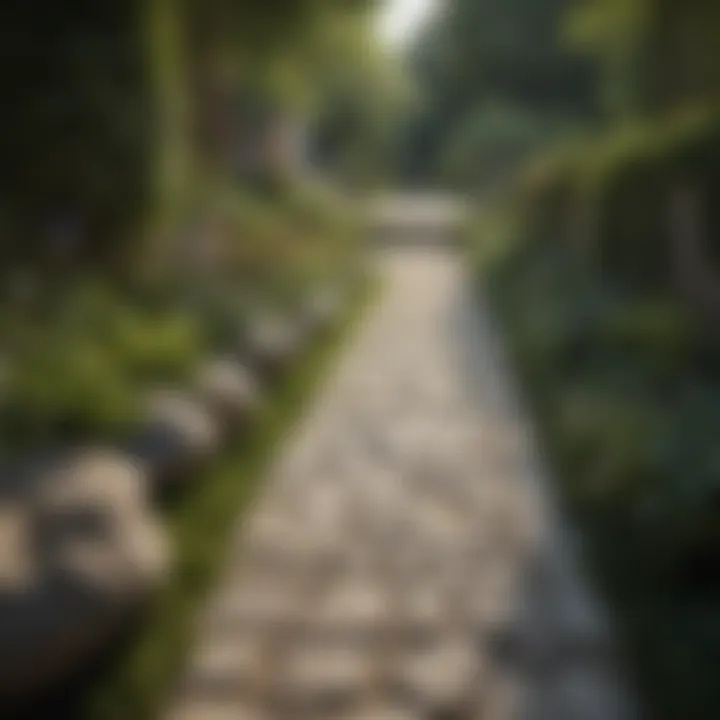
{"points": [[405, 560]]}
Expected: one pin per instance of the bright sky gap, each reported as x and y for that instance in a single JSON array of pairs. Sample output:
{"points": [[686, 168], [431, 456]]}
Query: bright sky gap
{"points": [[400, 19]]}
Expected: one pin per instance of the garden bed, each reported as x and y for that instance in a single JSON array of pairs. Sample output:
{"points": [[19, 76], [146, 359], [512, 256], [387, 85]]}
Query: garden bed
{"points": [[133, 679]]}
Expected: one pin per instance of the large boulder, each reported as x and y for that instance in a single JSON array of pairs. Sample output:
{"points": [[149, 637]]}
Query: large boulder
{"points": [[80, 553], [177, 437], [229, 390]]}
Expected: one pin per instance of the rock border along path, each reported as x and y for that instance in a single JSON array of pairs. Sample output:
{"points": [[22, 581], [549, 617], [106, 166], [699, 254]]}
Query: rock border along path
{"points": [[404, 560]]}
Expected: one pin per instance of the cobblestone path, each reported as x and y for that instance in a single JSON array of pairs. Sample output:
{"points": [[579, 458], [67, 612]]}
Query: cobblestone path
{"points": [[404, 560]]}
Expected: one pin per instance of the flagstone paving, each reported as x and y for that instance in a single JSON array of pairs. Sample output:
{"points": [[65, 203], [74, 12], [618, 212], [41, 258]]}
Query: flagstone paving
{"points": [[405, 559]]}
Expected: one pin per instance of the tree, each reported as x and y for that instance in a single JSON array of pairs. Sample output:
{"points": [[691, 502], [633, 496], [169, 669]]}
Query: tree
{"points": [[492, 142], [363, 103], [505, 51], [655, 55]]}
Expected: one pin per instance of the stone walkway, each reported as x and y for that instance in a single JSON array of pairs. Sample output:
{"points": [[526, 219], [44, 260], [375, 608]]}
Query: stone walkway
{"points": [[404, 560]]}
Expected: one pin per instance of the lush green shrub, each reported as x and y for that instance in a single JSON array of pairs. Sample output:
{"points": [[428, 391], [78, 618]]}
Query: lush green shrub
{"points": [[617, 191], [551, 191], [80, 370], [492, 142], [626, 390], [66, 390], [659, 334]]}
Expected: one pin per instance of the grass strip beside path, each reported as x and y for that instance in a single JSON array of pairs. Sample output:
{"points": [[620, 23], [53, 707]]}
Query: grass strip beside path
{"points": [[137, 683]]}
